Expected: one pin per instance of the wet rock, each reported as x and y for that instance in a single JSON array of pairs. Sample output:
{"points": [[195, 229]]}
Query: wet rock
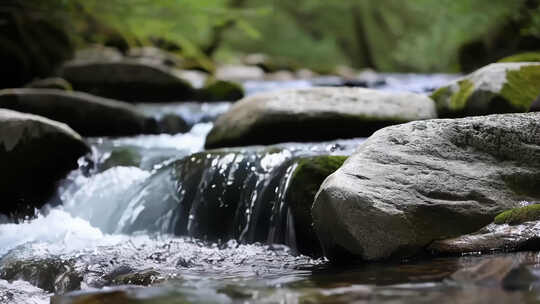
{"points": [[127, 80], [52, 275], [271, 64], [496, 88], [172, 124], [122, 157], [411, 184], [221, 91], [35, 152], [307, 177], [87, 114], [143, 278], [491, 238], [315, 114], [50, 83]]}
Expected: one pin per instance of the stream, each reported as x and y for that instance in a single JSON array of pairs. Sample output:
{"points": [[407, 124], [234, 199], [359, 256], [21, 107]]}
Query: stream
{"points": [[156, 219]]}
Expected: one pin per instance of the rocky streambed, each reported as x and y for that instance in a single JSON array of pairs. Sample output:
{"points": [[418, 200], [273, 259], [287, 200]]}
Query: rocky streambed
{"points": [[294, 194]]}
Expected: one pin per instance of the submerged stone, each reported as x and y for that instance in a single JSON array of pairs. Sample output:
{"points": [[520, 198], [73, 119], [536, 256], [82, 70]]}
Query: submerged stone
{"points": [[411, 184], [35, 153], [315, 114], [496, 88]]}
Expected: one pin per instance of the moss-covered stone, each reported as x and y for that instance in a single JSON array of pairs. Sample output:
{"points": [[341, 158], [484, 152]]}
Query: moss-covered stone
{"points": [[220, 90], [522, 87], [523, 57], [496, 88], [518, 216], [306, 179], [122, 157]]}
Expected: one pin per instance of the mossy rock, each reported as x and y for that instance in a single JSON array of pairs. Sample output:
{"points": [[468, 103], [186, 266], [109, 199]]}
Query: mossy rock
{"points": [[523, 57], [122, 157], [306, 179], [496, 88], [220, 90], [518, 216]]}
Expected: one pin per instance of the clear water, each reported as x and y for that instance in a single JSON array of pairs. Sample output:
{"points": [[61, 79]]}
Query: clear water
{"points": [[114, 236]]}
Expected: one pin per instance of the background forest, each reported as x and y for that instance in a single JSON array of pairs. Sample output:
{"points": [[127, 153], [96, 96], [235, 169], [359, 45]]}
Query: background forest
{"points": [[385, 35]]}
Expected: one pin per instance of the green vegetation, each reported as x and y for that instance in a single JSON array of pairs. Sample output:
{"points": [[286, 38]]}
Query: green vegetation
{"points": [[523, 57], [518, 216], [522, 87], [388, 35]]}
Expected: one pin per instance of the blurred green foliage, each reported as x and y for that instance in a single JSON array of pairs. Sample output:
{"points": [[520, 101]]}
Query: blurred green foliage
{"points": [[388, 35]]}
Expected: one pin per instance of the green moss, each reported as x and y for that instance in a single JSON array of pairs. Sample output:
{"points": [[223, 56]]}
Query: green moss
{"points": [[523, 57], [122, 157], [522, 87], [458, 101], [518, 216], [449, 101], [306, 180], [221, 90]]}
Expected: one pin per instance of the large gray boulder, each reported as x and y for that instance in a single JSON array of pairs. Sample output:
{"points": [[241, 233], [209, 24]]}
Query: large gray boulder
{"points": [[87, 114], [493, 89], [315, 114], [129, 80], [411, 184], [35, 152]]}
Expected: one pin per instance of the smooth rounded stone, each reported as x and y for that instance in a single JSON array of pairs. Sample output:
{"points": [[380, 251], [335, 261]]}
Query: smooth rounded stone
{"points": [[50, 274], [496, 88], [50, 83], [411, 184], [315, 114], [127, 80], [87, 114], [35, 152], [121, 157], [220, 90], [172, 124], [239, 73]]}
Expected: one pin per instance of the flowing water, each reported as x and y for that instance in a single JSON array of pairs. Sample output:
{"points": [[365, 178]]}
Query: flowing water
{"points": [[156, 219]]}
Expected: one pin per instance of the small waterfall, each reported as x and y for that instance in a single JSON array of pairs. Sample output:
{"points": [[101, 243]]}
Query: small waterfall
{"points": [[213, 195]]}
